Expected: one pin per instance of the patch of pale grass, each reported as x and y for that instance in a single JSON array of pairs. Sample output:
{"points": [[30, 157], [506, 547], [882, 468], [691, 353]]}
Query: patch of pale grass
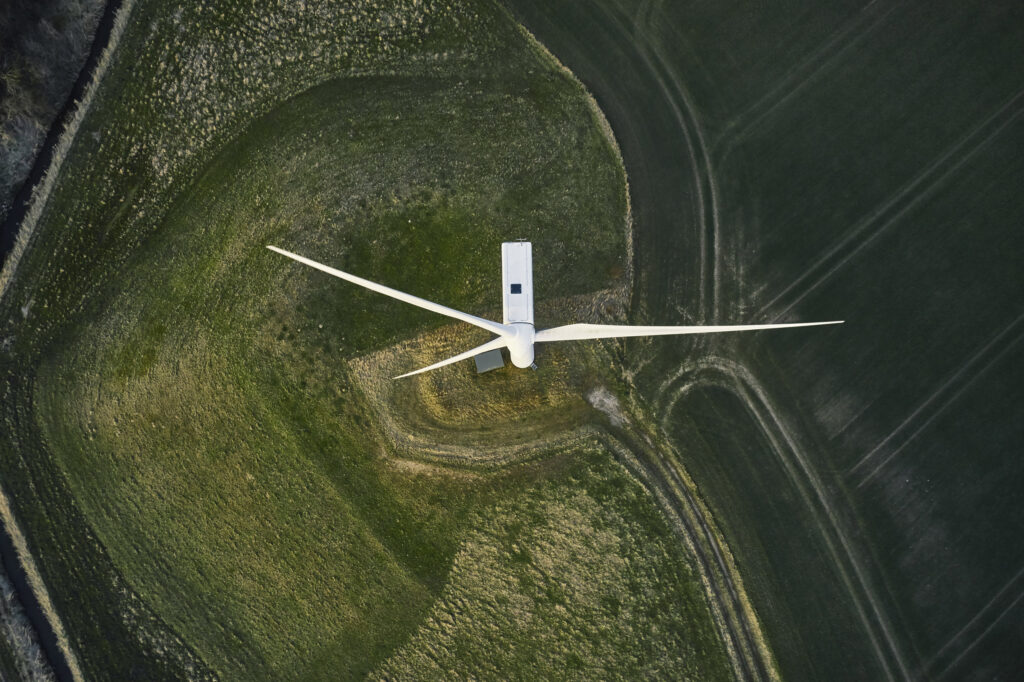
{"points": [[562, 579], [455, 414]]}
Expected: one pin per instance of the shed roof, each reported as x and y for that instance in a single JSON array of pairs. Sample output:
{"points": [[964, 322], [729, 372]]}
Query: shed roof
{"points": [[492, 359]]}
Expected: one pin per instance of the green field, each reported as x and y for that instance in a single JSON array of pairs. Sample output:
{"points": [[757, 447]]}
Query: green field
{"points": [[192, 440], [854, 161]]}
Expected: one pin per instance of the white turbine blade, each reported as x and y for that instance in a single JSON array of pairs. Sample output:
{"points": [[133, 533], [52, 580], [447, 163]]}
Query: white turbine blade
{"points": [[572, 332], [490, 326], [490, 345]]}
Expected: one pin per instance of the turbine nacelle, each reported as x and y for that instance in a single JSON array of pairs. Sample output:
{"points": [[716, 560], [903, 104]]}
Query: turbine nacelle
{"points": [[517, 332]]}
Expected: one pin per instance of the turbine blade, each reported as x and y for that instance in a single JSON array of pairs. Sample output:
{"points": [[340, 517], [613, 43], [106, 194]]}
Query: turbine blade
{"points": [[572, 332], [490, 326], [490, 345]]}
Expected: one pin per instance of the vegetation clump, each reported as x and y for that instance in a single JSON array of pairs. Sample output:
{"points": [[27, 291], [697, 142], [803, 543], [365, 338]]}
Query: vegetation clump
{"points": [[44, 46]]}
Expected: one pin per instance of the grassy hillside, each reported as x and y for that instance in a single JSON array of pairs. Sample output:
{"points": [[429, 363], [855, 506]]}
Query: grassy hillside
{"points": [[298, 511], [566, 579], [852, 161], [207, 486]]}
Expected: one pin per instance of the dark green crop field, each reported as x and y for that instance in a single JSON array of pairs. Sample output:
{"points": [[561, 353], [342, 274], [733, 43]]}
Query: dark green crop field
{"points": [[859, 161], [206, 480]]}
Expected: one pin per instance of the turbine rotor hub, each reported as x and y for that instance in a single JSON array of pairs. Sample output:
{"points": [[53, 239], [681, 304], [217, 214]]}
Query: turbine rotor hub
{"points": [[520, 346]]}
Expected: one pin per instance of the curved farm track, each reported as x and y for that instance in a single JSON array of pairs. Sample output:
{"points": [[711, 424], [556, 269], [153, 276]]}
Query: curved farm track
{"points": [[822, 163], [675, 204]]}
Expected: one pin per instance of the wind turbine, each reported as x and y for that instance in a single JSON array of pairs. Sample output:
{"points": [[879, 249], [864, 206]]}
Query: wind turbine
{"points": [[516, 332]]}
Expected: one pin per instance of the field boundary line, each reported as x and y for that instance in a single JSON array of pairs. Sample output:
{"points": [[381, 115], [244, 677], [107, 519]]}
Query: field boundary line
{"points": [[661, 473], [703, 169], [602, 123], [26, 229], [733, 615]]}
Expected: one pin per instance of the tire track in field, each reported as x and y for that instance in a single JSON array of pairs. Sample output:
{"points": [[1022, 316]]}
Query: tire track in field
{"points": [[939, 400], [735, 378], [920, 187], [806, 72], [653, 54], [684, 113], [977, 627], [980, 637], [737, 625], [735, 622], [875, 622]]}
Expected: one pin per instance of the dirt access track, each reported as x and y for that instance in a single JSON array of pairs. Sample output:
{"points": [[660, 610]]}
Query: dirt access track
{"points": [[782, 169]]}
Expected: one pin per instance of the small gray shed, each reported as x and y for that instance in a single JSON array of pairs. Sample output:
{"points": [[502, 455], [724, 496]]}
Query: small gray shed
{"points": [[492, 359]]}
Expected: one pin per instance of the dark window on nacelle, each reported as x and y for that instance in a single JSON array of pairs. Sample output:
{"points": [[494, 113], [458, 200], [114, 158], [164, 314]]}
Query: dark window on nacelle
{"points": [[517, 288]]}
